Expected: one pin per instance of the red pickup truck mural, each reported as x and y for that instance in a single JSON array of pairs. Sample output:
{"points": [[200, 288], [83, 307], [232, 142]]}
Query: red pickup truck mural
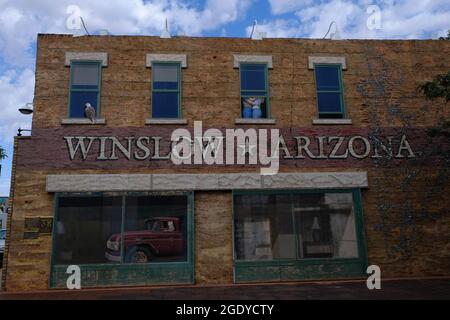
{"points": [[162, 237]]}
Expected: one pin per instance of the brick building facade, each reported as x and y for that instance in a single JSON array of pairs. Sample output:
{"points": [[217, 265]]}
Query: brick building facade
{"points": [[360, 181]]}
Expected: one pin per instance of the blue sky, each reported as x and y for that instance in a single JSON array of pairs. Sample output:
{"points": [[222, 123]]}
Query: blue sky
{"points": [[21, 20]]}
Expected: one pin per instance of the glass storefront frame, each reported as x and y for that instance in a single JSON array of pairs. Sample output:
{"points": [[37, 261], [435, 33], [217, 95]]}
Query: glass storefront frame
{"points": [[303, 269], [105, 274]]}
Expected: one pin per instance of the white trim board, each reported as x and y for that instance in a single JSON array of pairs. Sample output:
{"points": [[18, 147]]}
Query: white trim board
{"points": [[238, 58], [164, 57], [219, 181], [97, 56]]}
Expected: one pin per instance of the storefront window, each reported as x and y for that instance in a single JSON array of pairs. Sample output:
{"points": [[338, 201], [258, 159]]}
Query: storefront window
{"points": [[294, 226], [325, 225], [264, 227], [84, 226], [121, 229]]}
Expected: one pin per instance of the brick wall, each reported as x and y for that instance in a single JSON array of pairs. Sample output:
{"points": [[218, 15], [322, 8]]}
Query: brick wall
{"points": [[405, 207], [210, 81]]}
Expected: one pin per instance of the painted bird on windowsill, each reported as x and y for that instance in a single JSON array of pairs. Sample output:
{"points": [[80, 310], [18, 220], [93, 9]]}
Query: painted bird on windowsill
{"points": [[89, 112]]}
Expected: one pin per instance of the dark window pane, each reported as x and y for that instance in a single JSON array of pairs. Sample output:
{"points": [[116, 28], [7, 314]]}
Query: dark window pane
{"points": [[253, 77], [253, 93], [327, 78], [325, 225], [329, 102], [263, 227], [84, 226], [165, 85], [331, 116], [165, 105], [78, 99], [85, 74], [155, 229]]}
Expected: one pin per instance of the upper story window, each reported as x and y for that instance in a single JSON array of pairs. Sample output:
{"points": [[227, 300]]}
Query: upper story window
{"points": [[254, 90], [166, 97], [84, 85], [85, 78], [329, 88]]}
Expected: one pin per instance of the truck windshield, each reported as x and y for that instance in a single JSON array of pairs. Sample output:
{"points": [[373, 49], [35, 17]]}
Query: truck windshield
{"points": [[2, 234], [153, 225]]}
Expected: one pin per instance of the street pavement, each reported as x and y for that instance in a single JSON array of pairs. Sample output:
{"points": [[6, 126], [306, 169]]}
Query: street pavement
{"points": [[424, 288]]}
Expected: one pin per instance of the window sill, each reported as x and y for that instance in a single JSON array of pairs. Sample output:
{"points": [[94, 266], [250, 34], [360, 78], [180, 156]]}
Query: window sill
{"points": [[332, 121], [254, 121], [165, 121], [82, 121]]}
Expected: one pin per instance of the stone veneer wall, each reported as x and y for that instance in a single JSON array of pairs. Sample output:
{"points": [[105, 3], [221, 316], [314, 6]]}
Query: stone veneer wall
{"points": [[213, 248]]}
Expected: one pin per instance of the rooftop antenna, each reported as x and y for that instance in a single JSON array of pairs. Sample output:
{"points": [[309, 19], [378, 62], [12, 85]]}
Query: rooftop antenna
{"points": [[335, 35], [165, 34], [253, 28], [82, 22], [256, 35]]}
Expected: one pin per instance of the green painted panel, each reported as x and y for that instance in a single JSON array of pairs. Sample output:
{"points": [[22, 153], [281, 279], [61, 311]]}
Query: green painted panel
{"points": [[297, 270], [126, 275]]}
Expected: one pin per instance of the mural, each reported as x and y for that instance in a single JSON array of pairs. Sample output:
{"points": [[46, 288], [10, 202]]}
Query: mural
{"points": [[401, 216]]}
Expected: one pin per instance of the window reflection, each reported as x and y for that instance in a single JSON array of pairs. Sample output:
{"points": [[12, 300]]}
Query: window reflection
{"points": [[155, 229], [294, 226], [83, 227], [91, 230]]}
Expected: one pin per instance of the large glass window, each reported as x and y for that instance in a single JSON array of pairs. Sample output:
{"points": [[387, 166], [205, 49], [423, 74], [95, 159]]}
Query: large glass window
{"points": [[254, 91], [330, 102], [166, 90], [263, 227], [121, 229], [83, 228], [294, 226], [84, 87]]}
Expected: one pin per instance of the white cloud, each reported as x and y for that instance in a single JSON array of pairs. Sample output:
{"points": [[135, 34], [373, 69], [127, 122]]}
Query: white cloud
{"points": [[399, 19], [283, 6], [16, 89], [21, 20], [277, 29]]}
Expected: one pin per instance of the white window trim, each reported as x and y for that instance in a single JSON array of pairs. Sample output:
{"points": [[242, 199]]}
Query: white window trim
{"points": [[74, 121], [163, 57], [94, 56], [344, 121], [158, 121], [237, 59], [326, 59], [267, 121]]}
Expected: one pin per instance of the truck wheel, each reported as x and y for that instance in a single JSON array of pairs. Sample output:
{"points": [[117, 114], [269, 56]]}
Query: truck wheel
{"points": [[138, 255]]}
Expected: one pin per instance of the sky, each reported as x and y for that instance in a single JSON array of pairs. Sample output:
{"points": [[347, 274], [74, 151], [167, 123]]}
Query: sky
{"points": [[21, 20]]}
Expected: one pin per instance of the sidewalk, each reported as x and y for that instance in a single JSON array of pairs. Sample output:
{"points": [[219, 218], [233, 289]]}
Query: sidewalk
{"points": [[430, 288]]}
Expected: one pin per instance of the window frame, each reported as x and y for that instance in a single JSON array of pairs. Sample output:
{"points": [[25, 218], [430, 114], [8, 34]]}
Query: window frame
{"points": [[259, 267], [341, 92], [99, 85], [187, 268], [266, 84], [178, 64]]}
